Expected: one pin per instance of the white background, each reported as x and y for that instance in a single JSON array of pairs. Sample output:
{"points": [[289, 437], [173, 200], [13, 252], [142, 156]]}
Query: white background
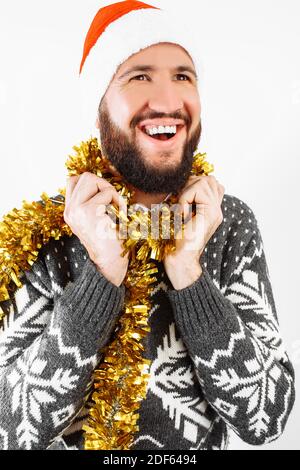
{"points": [[250, 115]]}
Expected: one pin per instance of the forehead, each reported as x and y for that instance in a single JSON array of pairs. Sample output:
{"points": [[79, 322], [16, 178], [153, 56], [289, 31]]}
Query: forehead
{"points": [[158, 55]]}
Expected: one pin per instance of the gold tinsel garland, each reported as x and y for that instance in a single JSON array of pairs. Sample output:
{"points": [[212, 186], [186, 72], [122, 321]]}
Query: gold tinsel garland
{"points": [[120, 382]]}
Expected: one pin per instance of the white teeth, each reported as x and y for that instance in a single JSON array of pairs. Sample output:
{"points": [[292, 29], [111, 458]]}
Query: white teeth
{"points": [[162, 130]]}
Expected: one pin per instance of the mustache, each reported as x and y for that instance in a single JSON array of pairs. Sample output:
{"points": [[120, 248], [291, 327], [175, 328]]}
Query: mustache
{"points": [[156, 115]]}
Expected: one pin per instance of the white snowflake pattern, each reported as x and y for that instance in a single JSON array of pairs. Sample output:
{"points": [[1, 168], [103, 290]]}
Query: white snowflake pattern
{"points": [[168, 380], [257, 386], [30, 392]]}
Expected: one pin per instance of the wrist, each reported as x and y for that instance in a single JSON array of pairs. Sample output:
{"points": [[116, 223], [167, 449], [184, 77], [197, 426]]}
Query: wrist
{"points": [[115, 278], [184, 274]]}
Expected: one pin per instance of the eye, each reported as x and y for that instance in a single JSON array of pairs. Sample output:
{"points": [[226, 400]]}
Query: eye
{"points": [[138, 76], [183, 75]]}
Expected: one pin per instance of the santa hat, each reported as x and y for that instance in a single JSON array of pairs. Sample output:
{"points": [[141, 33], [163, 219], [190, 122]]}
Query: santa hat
{"points": [[120, 30]]}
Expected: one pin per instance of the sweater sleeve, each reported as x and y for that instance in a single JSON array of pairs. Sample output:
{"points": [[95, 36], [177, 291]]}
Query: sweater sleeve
{"points": [[49, 347], [232, 335]]}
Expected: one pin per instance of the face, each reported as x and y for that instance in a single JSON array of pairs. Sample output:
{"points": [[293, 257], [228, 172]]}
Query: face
{"points": [[137, 102]]}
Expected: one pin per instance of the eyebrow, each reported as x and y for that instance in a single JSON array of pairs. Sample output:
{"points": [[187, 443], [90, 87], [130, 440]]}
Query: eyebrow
{"points": [[150, 68]]}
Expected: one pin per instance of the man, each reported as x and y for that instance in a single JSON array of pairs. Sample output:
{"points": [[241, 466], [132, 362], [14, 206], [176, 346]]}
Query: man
{"points": [[217, 357]]}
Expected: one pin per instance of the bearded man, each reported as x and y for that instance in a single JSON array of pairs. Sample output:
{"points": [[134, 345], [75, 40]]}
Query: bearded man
{"points": [[216, 357]]}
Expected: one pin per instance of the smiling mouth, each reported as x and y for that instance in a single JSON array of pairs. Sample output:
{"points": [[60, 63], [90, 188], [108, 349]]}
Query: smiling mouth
{"points": [[165, 136]]}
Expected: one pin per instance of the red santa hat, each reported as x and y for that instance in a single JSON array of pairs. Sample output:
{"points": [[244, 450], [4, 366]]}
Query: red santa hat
{"points": [[120, 30]]}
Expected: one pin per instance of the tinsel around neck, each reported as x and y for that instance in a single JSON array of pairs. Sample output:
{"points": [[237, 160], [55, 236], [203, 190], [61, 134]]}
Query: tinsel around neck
{"points": [[23, 232]]}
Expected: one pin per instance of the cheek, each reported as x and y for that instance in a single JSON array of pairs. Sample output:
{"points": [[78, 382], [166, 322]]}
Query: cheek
{"points": [[133, 101], [194, 104], [124, 108]]}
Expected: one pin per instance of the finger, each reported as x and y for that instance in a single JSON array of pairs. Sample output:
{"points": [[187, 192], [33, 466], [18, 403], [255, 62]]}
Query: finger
{"points": [[214, 185], [105, 197], [71, 183], [87, 186], [197, 194], [206, 181], [192, 179], [198, 186]]}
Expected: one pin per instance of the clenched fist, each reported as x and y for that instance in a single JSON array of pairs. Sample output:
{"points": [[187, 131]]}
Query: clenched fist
{"points": [[87, 196], [183, 267]]}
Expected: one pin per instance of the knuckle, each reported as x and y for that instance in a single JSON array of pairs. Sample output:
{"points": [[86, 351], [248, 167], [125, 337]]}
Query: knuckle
{"points": [[108, 188], [84, 176], [213, 178], [107, 191]]}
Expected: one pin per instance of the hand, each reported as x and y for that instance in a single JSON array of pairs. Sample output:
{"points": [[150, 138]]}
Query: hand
{"points": [[183, 266], [85, 212]]}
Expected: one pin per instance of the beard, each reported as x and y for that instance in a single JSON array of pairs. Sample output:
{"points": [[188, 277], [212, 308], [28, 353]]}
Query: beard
{"points": [[128, 159]]}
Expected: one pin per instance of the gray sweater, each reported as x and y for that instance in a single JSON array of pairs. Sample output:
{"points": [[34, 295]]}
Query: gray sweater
{"points": [[218, 360]]}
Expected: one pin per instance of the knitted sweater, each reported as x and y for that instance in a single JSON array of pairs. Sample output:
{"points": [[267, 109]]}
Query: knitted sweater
{"points": [[218, 360]]}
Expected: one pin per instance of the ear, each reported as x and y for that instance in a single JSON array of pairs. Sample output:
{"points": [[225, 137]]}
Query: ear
{"points": [[97, 124]]}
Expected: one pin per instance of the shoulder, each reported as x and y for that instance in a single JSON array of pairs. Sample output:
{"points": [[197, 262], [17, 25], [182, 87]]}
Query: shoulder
{"points": [[238, 217], [59, 263], [239, 228], [238, 231], [236, 207], [65, 256], [236, 241]]}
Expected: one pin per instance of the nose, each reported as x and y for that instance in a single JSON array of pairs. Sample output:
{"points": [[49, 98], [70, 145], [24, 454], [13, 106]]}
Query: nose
{"points": [[166, 97]]}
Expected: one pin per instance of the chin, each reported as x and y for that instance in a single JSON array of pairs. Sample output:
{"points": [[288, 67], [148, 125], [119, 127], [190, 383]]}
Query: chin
{"points": [[173, 156]]}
